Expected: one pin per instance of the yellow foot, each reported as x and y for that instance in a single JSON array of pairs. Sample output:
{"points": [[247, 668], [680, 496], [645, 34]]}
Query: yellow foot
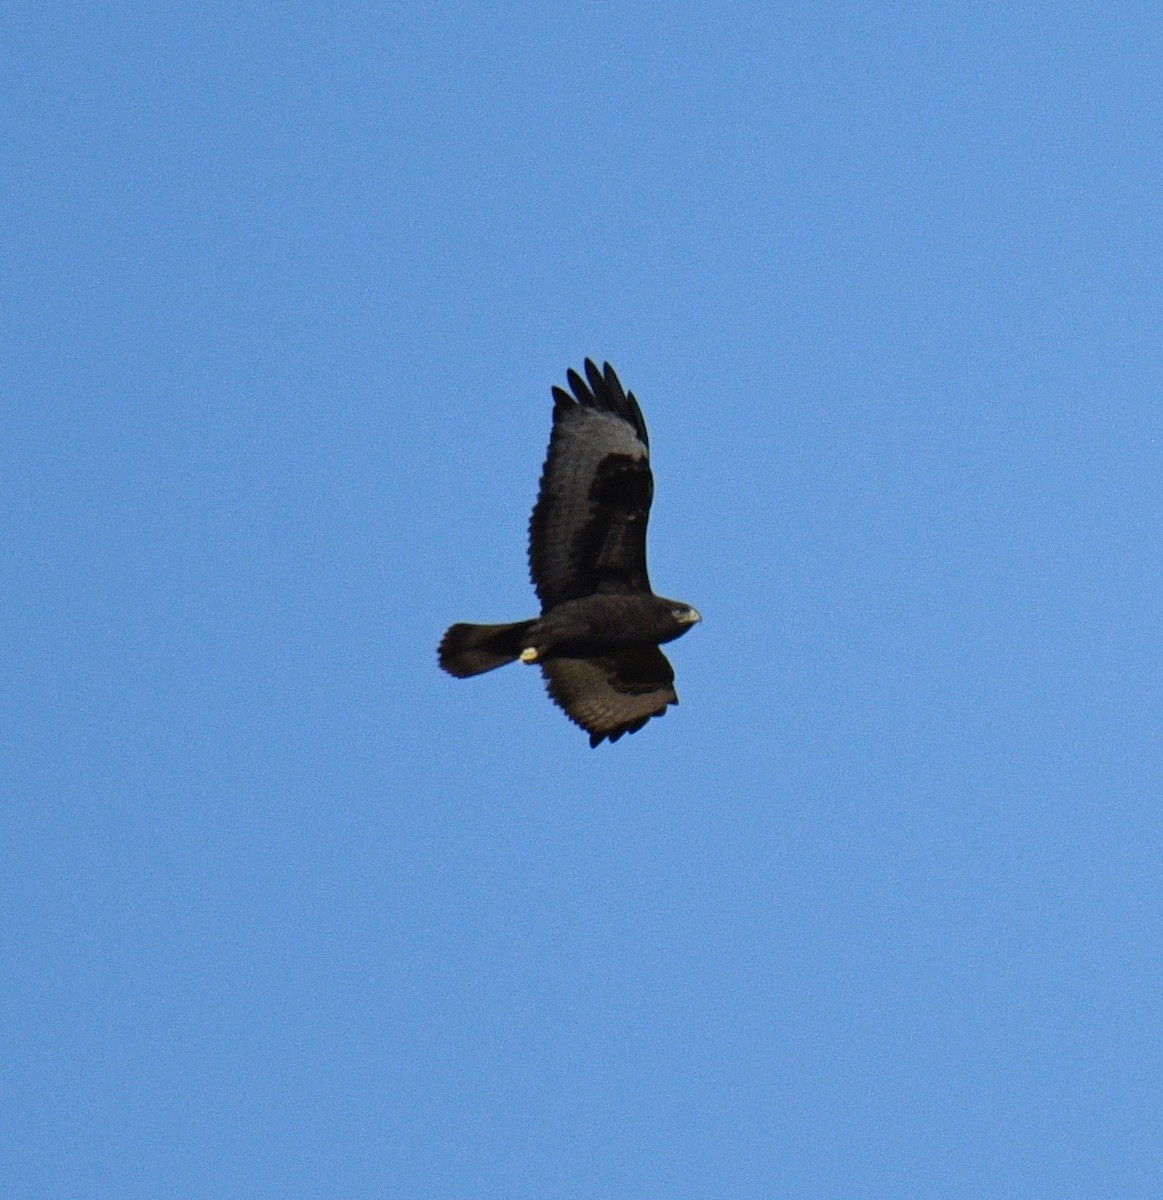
{"points": [[529, 654]]}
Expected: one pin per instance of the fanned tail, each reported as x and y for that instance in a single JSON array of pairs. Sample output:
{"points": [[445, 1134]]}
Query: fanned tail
{"points": [[473, 649]]}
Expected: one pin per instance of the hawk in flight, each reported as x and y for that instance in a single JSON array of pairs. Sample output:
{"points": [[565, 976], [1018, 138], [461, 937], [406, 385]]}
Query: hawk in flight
{"points": [[596, 640]]}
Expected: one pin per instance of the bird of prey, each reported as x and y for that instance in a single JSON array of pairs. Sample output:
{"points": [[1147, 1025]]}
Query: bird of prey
{"points": [[596, 640]]}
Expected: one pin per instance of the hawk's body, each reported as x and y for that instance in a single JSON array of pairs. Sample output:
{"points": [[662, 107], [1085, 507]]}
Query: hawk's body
{"points": [[600, 626]]}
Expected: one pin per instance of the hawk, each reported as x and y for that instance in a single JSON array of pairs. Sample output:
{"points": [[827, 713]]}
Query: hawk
{"points": [[596, 640]]}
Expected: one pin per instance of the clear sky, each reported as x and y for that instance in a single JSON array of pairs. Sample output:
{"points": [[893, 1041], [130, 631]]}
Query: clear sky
{"points": [[878, 909]]}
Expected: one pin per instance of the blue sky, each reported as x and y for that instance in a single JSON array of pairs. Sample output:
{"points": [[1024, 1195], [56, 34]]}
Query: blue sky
{"points": [[878, 910]]}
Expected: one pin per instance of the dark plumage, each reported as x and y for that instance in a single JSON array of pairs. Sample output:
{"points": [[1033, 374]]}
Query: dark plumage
{"points": [[600, 627]]}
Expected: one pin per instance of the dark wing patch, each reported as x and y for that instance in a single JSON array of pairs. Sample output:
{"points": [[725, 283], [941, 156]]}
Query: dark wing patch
{"points": [[588, 529], [614, 693]]}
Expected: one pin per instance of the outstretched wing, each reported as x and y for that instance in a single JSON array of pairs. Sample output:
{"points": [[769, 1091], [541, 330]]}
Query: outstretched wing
{"points": [[612, 694], [588, 529]]}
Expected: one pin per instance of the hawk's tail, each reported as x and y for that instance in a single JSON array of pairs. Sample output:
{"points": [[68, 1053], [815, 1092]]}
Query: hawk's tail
{"points": [[473, 649]]}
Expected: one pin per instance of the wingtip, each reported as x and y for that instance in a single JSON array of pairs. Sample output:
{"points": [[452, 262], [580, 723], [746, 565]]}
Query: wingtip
{"points": [[602, 391], [578, 387]]}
